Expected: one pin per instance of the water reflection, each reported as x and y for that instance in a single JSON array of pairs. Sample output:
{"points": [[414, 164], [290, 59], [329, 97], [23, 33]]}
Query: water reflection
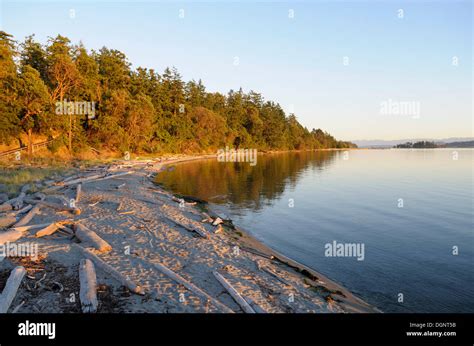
{"points": [[239, 183]]}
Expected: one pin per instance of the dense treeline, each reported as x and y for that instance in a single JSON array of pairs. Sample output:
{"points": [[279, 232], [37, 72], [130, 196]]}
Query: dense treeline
{"points": [[138, 110], [418, 145]]}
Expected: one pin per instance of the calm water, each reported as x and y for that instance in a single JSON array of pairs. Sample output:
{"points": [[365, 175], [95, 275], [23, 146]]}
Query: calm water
{"points": [[408, 250]]}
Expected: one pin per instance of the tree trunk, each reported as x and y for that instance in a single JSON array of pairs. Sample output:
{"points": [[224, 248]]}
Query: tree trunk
{"points": [[70, 133], [30, 142]]}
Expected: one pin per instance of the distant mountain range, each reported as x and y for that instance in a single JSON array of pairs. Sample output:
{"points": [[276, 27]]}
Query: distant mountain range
{"points": [[454, 142]]}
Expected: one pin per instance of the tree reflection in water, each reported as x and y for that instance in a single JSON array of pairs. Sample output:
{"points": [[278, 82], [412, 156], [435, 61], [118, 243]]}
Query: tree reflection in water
{"points": [[238, 182]]}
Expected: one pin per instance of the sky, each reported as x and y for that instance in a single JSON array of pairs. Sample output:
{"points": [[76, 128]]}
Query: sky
{"points": [[357, 69]]}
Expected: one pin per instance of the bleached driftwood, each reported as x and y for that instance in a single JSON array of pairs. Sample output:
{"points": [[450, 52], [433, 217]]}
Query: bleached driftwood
{"points": [[83, 180], [25, 188], [75, 176], [254, 305], [66, 230], [112, 176], [217, 221], [111, 271], [219, 229], [60, 207], [197, 230], [48, 230], [35, 198], [88, 236], [258, 253], [27, 218], [30, 227], [275, 275], [6, 207], [179, 279], [88, 289], [234, 294], [181, 201], [22, 210], [10, 236], [17, 202], [96, 177], [78, 192], [11, 287], [7, 221]]}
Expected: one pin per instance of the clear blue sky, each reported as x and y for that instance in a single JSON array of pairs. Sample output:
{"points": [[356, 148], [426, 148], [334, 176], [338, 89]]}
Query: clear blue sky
{"points": [[297, 62]]}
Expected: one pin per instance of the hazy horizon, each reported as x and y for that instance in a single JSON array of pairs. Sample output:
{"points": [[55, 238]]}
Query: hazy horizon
{"points": [[335, 65]]}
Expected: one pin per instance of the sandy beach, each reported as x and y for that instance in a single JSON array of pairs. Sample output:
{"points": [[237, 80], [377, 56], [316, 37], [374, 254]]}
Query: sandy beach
{"points": [[148, 228]]}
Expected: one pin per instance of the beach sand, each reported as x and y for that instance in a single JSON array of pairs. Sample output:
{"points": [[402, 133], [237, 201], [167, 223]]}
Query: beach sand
{"points": [[146, 225]]}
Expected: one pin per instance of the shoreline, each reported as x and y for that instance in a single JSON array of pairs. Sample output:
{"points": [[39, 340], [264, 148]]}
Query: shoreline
{"points": [[250, 241], [125, 208]]}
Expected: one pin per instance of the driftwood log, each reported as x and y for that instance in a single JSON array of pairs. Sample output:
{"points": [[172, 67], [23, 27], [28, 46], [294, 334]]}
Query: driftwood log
{"points": [[10, 236], [111, 271], [48, 230], [89, 237], [197, 230], [22, 210], [78, 192], [255, 306], [60, 207], [95, 177], [7, 221], [17, 203], [83, 180], [31, 227], [11, 287], [233, 293], [88, 288], [179, 279], [27, 218], [112, 176], [5, 207]]}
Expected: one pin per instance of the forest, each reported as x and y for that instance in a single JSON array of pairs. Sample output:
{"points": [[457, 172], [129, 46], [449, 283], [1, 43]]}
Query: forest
{"points": [[94, 99]]}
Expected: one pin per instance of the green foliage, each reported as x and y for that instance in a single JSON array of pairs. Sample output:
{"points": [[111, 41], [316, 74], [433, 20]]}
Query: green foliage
{"points": [[135, 110]]}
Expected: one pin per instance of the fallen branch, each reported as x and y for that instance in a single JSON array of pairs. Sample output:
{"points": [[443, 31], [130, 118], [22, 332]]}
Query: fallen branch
{"points": [[179, 279], [88, 288], [275, 275], [234, 294], [11, 287], [111, 271], [258, 253], [197, 230], [88, 236], [127, 212]]}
